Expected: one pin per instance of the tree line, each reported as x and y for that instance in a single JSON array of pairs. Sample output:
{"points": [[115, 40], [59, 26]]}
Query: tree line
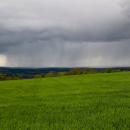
{"points": [[13, 77], [75, 71]]}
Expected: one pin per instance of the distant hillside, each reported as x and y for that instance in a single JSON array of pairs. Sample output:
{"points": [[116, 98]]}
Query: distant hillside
{"points": [[30, 71], [34, 71]]}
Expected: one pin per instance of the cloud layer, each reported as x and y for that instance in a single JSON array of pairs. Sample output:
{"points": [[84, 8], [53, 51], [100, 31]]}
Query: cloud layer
{"points": [[36, 33]]}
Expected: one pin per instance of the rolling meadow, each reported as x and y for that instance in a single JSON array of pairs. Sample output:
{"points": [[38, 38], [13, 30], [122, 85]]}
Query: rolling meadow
{"points": [[76, 102]]}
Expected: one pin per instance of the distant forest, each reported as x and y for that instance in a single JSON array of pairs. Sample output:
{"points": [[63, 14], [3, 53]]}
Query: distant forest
{"points": [[29, 73]]}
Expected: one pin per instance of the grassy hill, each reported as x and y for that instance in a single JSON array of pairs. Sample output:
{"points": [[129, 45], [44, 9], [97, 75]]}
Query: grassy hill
{"points": [[81, 102]]}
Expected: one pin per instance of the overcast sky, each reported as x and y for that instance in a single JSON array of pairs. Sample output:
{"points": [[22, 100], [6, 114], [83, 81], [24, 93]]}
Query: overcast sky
{"points": [[64, 33]]}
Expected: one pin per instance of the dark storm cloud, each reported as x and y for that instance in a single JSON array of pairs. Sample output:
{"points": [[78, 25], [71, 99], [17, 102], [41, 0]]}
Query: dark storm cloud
{"points": [[68, 33]]}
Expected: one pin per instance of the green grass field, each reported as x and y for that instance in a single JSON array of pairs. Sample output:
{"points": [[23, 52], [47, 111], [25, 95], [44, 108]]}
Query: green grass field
{"points": [[81, 102]]}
